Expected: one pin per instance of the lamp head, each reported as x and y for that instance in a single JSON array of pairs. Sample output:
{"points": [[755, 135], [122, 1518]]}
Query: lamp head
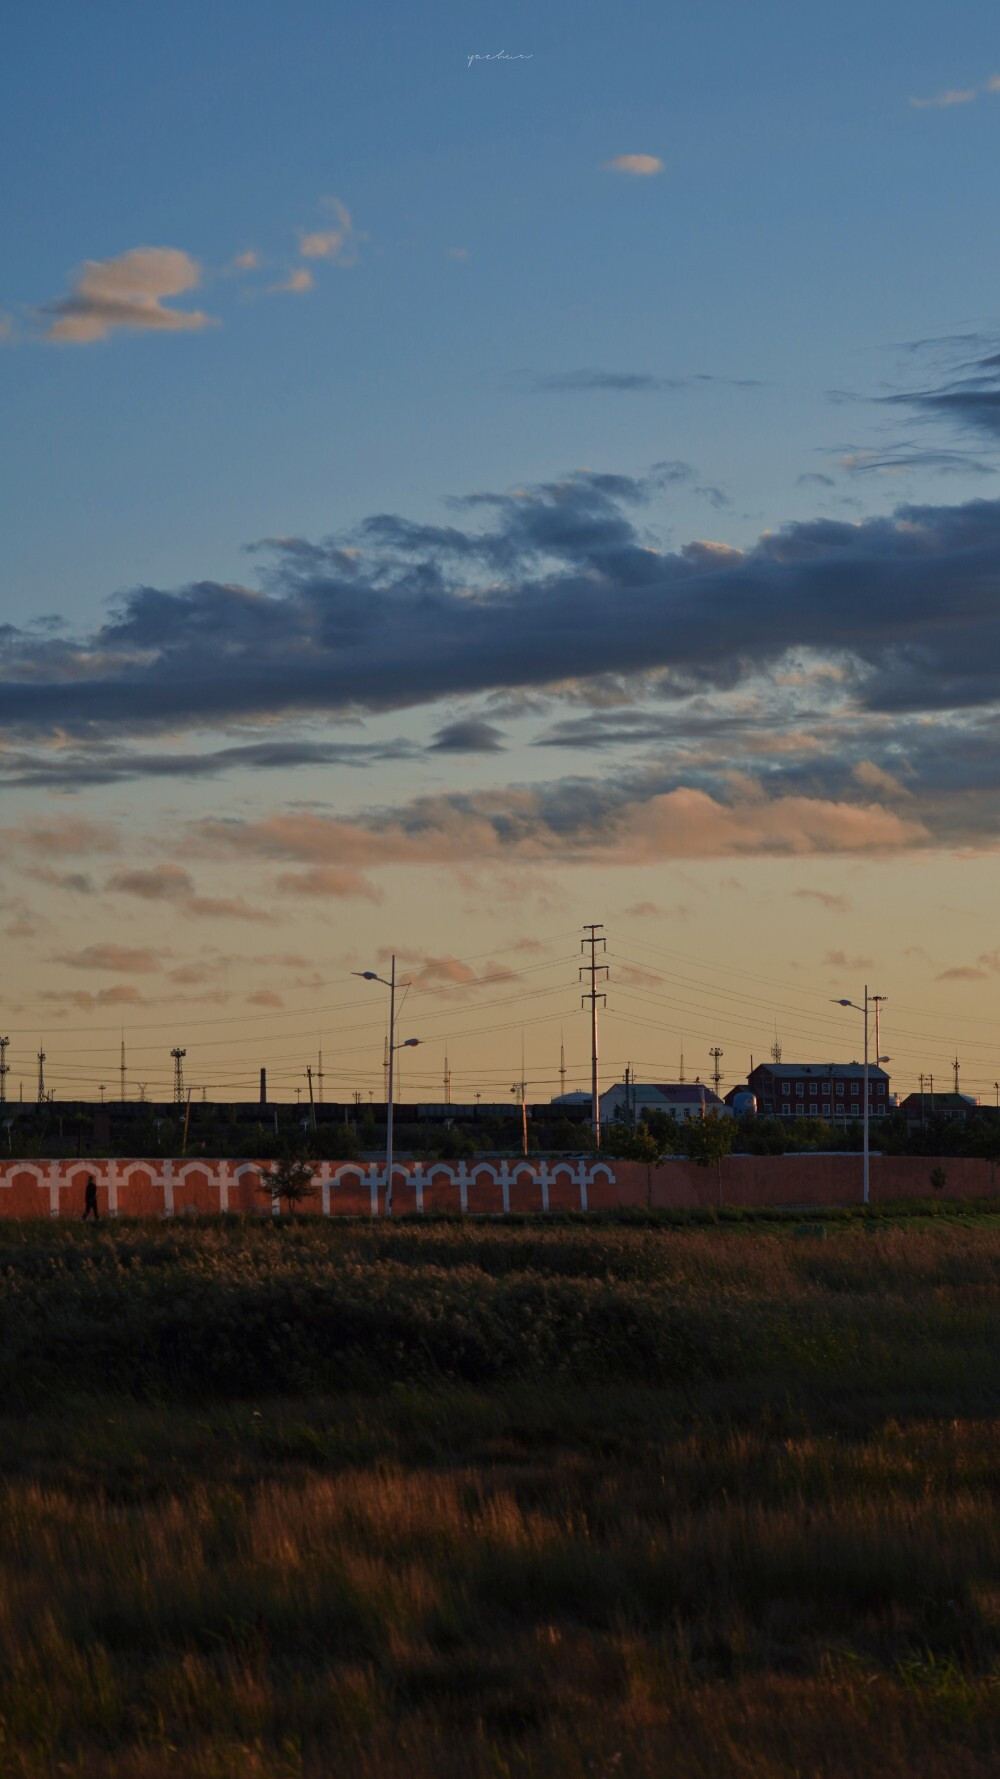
{"points": [[408, 1043]]}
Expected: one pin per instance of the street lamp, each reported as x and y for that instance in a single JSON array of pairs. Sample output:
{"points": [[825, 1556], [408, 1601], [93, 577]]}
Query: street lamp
{"points": [[407, 1044], [864, 1010]]}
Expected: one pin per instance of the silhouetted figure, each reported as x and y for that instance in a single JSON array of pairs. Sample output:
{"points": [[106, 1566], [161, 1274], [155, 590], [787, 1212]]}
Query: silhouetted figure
{"points": [[90, 1200]]}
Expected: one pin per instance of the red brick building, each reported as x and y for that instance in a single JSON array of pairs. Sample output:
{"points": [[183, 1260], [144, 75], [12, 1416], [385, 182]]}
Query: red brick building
{"points": [[831, 1090]]}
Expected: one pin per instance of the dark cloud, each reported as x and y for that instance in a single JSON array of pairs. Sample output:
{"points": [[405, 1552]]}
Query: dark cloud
{"points": [[558, 584], [468, 737], [628, 382], [966, 390]]}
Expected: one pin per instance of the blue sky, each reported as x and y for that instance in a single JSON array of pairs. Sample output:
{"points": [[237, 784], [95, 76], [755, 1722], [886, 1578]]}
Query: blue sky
{"points": [[752, 246]]}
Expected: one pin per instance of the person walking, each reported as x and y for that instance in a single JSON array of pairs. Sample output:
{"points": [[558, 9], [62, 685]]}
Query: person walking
{"points": [[90, 1200]]}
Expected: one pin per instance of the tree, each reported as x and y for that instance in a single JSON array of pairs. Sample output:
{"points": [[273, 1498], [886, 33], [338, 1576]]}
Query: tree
{"points": [[630, 1145], [290, 1179], [709, 1139]]}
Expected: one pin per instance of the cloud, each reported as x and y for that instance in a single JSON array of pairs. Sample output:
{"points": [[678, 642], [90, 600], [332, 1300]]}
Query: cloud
{"points": [[225, 908], [638, 165], [125, 958], [163, 883], [838, 960], [245, 262], [265, 997], [952, 96], [298, 282], [583, 822], [836, 904], [62, 835], [127, 292], [468, 737], [424, 971], [77, 882], [458, 253], [339, 243], [875, 778], [965, 392], [169, 883], [326, 881], [589, 379], [961, 973], [905, 458], [823, 657], [87, 1002]]}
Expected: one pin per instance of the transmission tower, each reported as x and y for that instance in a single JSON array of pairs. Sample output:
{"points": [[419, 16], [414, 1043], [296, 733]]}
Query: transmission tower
{"points": [[41, 1076], [593, 969], [716, 1054], [4, 1070], [776, 1048], [955, 1067], [178, 1055]]}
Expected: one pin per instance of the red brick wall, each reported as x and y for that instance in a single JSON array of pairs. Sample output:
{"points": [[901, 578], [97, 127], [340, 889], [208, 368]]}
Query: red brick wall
{"points": [[157, 1188]]}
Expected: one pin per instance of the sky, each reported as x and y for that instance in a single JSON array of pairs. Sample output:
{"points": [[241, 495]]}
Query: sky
{"points": [[467, 474]]}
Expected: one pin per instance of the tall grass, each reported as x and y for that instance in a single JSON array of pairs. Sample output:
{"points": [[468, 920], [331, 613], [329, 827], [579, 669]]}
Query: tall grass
{"points": [[481, 1501]]}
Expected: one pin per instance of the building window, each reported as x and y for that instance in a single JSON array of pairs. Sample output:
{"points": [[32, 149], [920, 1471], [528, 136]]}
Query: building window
{"points": [[840, 1089], [855, 1088], [880, 1087], [826, 1108], [813, 1087], [786, 1087], [786, 1105], [800, 1110], [799, 1088]]}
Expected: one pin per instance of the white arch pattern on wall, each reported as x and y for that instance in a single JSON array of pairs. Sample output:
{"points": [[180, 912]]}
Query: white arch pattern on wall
{"points": [[168, 1175]]}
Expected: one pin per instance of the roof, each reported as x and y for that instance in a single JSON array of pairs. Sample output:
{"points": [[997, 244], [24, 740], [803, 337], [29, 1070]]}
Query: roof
{"points": [[668, 1093], [839, 1070]]}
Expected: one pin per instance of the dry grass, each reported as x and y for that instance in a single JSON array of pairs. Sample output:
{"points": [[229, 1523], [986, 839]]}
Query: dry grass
{"points": [[786, 1562]]}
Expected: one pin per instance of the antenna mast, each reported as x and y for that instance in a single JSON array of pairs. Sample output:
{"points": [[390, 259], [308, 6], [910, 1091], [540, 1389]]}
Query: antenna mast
{"points": [[178, 1055], [41, 1075], [4, 1070], [716, 1054]]}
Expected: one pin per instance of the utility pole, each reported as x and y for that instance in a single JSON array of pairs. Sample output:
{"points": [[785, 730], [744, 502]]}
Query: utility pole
{"points": [[562, 1065], [178, 1055], [121, 1068], [716, 1054], [921, 1099], [593, 969], [41, 1076], [385, 1070], [101, 1092], [681, 1075], [520, 1088], [319, 1075], [312, 1102], [955, 1066], [4, 1070], [447, 1081]]}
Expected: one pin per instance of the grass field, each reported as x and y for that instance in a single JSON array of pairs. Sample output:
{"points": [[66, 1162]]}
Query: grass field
{"points": [[578, 1501]]}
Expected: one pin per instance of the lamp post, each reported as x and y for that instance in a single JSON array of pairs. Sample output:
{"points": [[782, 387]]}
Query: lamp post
{"points": [[407, 1044], [864, 1010]]}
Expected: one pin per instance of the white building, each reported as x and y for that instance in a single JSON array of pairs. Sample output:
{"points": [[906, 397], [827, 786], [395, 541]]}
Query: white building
{"points": [[629, 1101]]}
